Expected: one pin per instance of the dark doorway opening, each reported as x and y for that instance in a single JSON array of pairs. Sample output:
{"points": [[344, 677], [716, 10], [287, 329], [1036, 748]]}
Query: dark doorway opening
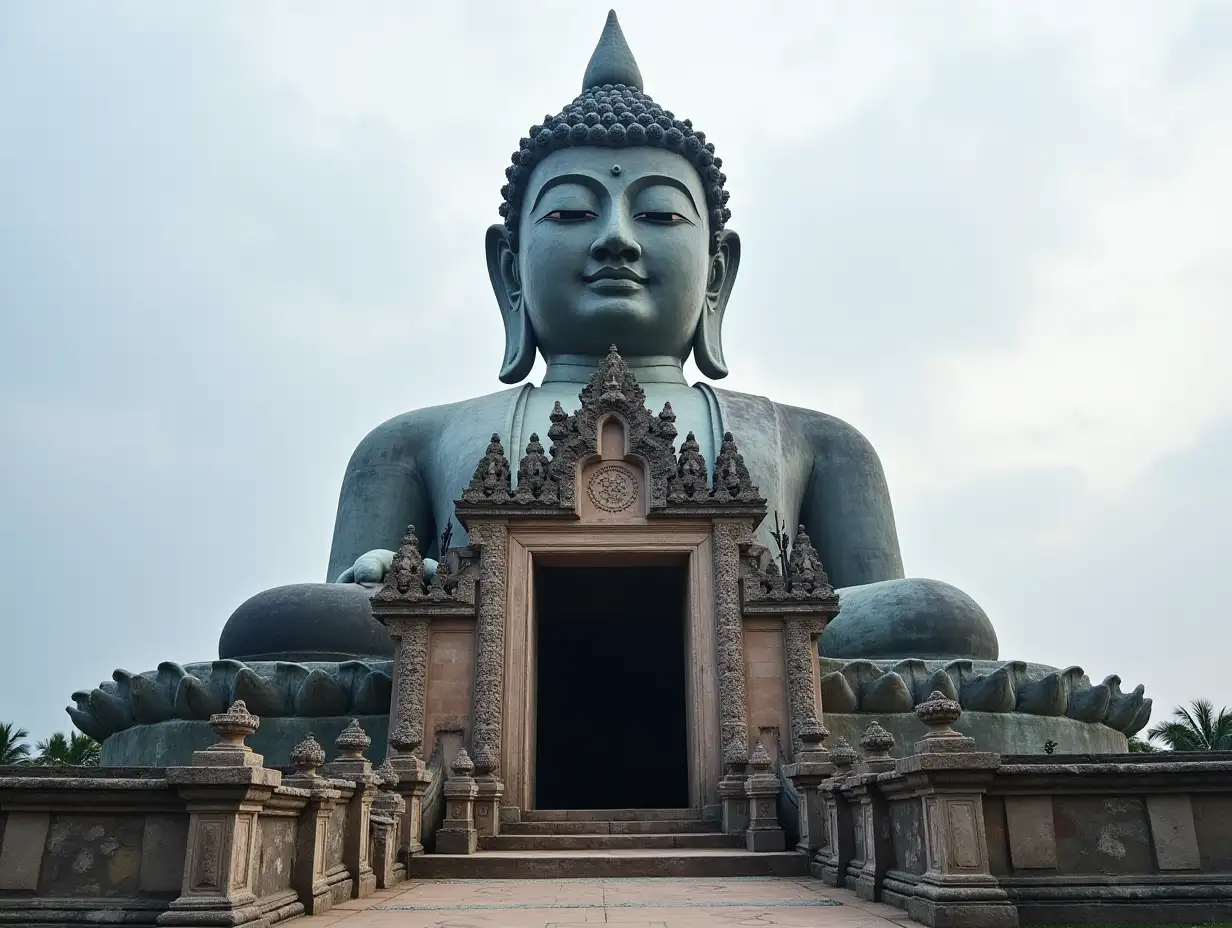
{"points": [[610, 723]]}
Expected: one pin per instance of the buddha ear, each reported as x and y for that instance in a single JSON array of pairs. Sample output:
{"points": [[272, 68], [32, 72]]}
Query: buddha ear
{"points": [[507, 285], [708, 340]]}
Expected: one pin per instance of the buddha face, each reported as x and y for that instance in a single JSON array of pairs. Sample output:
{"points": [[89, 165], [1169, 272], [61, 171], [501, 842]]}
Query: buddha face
{"points": [[614, 250]]}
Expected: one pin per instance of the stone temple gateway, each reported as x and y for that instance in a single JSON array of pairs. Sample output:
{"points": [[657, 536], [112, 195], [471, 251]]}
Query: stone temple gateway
{"points": [[611, 638]]}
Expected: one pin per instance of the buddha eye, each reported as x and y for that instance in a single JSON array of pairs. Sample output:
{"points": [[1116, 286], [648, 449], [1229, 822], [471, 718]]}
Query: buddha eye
{"points": [[569, 215], [663, 218]]}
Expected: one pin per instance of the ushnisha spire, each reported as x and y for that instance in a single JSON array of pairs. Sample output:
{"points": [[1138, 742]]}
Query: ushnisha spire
{"points": [[613, 112], [612, 61]]}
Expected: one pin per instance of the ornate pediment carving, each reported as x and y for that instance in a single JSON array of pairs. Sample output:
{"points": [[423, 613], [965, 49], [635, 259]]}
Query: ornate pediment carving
{"points": [[552, 485]]}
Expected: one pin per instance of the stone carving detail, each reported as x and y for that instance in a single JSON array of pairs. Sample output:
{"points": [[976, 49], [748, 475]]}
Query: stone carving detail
{"points": [[405, 579], [939, 713], [492, 540], [535, 484], [612, 488], [490, 484], [1012, 686], [806, 570], [307, 757], [412, 682], [352, 741], [688, 484], [808, 583], [732, 482], [801, 635], [195, 692], [233, 726], [877, 744], [729, 632]]}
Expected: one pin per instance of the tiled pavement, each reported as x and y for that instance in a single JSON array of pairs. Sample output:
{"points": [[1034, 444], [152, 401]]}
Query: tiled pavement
{"points": [[634, 903]]}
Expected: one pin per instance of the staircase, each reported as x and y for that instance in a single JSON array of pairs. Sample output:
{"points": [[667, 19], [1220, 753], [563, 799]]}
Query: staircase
{"points": [[609, 843]]}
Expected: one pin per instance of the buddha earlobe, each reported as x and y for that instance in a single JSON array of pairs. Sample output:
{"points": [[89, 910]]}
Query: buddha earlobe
{"points": [[507, 286], [708, 340]]}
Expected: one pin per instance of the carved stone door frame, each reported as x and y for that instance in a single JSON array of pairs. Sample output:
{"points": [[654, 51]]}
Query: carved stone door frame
{"points": [[688, 543]]}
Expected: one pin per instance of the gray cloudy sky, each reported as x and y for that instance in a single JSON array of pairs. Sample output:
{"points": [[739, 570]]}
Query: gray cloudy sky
{"points": [[235, 237]]}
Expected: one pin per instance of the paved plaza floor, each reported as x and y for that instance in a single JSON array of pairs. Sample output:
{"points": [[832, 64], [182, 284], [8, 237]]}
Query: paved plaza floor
{"points": [[634, 903]]}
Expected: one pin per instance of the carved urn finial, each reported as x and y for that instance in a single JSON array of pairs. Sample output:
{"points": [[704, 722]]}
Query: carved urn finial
{"points": [[352, 742], [485, 759], [386, 776], [759, 760], [405, 577], [877, 744], [939, 713], [404, 740], [843, 756], [233, 726], [462, 765], [813, 733], [307, 757]]}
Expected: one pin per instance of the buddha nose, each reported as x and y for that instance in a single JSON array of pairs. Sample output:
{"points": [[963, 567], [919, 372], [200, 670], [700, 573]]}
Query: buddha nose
{"points": [[616, 243]]}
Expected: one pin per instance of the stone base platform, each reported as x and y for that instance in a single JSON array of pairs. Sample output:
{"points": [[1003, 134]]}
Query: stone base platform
{"points": [[591, 864]]}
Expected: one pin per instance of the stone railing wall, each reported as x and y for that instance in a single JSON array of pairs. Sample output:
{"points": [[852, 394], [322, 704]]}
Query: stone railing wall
{"points": [[226, 840], [956, 836]]}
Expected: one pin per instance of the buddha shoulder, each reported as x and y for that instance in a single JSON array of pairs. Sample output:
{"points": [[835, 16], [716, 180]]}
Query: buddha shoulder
{"points": [[413, 434]]}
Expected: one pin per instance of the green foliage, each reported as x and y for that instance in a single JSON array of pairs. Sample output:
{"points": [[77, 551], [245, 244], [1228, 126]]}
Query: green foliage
{"points": [[1050, 746], [1196, 728], [1138, 746], [75, 750], [13, 747]]}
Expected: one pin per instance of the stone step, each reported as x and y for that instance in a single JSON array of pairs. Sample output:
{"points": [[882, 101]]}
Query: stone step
{"points": [[611, 815], [522, 865], [661, 827], [609, 842]]}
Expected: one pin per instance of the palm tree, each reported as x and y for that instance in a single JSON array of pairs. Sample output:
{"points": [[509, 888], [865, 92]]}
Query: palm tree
{"points": [[13, 747], [1196, 728], [1139, 746], [77, 750]]}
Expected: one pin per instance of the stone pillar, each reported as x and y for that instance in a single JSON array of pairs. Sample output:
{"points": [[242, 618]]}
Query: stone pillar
{"points": [[807, 772], [413, 781], [352, 765], [225, 788], [873, 848], [391, 808], [312, 832], [837, 849], [489, 792], [947, 775], [762, 790], [457, 834]]}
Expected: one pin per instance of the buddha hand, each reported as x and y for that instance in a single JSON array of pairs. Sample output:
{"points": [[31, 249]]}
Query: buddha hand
{"points": [[371, 567]]}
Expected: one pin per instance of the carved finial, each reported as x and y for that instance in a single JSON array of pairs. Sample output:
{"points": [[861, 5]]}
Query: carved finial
{"points": [[689, 481], [732, 482], [233, 726], [877, 744], [613, 384], [806, 569], [485, 759], [813, 733], [405, 577], [612, 61], [759, 760], [462, 765], [843, 756], [404, 739], [534, 481], [667, 423], [491, 480], [386, 776], [939, 713], [308, 756], [353, 741]]}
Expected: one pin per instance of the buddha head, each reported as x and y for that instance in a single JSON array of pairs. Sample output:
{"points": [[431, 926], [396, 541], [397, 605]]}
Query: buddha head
{"points": [[614, 229]]}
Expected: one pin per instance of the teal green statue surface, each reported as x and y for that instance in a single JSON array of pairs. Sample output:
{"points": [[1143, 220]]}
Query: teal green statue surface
{"points": [[615, 232]]}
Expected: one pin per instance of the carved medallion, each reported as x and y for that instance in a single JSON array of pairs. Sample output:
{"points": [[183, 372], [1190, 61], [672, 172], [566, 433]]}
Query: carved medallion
{"points": [[612, 488]]}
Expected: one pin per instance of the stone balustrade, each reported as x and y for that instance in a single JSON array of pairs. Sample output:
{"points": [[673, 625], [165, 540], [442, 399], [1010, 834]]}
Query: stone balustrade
{"points": [[225, 840]]}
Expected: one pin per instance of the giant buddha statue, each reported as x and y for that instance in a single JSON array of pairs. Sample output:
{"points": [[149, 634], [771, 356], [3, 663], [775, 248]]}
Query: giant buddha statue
{"points": [[616, 232]]}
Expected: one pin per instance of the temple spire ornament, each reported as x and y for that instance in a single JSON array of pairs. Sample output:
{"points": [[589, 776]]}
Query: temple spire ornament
{"points": [[612, 61]]}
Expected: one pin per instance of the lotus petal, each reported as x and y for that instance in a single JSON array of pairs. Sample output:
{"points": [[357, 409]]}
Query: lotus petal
{"points": [[889, 694], [320, 695], [150, 701], [1047, 696], [88, 724], [992, 692], [1140, 720], [836, 693], [914, 673], [373, 694], [112, 712], [263, 697], [1088, 703], [1122, 707], [938, 680], [196, 700]]}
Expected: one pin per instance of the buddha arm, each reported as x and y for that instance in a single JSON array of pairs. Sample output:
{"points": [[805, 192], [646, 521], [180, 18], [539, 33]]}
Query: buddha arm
{"points": [[846, 507], [383, 492]]}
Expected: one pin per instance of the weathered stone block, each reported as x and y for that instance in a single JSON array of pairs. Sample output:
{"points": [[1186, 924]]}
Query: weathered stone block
{"points": [[21, 856], [1172, 832], [1032, 837]]}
